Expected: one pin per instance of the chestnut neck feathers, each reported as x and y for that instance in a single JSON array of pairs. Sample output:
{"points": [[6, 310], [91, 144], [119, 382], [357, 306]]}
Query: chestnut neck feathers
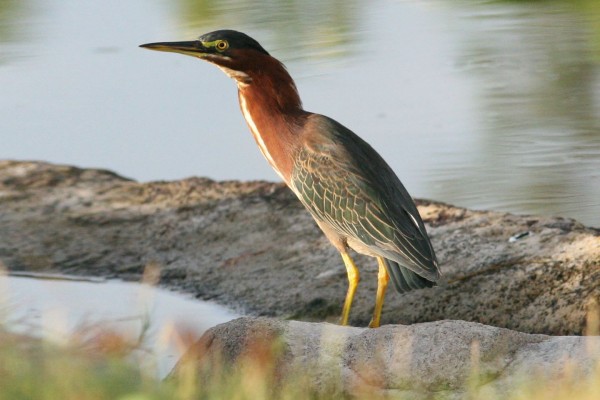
{"points": [[273, 110]]}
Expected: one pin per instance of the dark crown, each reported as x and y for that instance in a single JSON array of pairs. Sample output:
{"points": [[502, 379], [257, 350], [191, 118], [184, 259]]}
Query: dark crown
{"points": [[236, 40]]}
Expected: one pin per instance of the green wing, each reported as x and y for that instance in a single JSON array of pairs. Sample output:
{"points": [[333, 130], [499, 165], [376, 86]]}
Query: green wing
{"points": [[344, 182]]}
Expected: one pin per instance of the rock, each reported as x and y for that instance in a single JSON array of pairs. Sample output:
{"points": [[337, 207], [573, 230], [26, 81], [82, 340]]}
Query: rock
{"points": [[443, 358], [252, 246]]}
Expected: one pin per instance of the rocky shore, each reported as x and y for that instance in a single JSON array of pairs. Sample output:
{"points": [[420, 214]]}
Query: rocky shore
{"points": [[432, 360], [251, 246]]}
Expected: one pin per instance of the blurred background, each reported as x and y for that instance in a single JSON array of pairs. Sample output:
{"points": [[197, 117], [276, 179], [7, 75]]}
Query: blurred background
{"points": [[482, 104]]}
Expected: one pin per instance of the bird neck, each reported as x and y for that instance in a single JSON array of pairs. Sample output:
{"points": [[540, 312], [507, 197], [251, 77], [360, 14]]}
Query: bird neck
{"points": [[273, 111], [270, 85]]}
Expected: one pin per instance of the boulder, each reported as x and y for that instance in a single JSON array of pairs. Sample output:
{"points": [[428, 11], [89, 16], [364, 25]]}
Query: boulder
{"points": [[252, 246], [443, 359]]}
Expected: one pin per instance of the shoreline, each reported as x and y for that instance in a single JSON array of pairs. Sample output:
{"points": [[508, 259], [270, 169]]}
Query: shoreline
{"points": [[252, 247]]}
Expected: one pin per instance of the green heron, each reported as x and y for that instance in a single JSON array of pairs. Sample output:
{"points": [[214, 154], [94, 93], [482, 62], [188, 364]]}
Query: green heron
{"points": [[351, 192]]}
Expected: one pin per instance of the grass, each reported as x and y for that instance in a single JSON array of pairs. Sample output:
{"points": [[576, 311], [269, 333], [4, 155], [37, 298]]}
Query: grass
{"points": [[97, 363], [100, 367]]}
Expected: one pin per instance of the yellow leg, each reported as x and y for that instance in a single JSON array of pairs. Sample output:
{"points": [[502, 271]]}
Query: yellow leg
{"points": [[353, 278], [382, 281]]}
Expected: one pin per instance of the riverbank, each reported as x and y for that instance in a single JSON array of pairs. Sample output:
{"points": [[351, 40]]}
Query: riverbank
{"points": [[251, 246]]}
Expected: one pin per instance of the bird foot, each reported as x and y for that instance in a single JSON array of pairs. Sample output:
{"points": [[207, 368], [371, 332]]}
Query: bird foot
{"points": [[374, 324]]}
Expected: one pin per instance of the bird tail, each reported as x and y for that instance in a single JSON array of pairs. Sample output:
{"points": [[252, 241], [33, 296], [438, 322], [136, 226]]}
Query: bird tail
{"points": [[404, 279]]}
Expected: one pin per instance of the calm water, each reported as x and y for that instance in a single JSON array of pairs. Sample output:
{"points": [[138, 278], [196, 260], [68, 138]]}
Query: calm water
{"points": [[491, 104], [59, 308]]}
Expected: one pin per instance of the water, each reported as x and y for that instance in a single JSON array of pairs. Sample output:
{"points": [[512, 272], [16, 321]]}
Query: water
{"points": [[489, 104], [60, 308]]}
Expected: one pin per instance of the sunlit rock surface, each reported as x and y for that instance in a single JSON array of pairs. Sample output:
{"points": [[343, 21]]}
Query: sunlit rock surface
{"points": [[251, 245], [442, 359]]}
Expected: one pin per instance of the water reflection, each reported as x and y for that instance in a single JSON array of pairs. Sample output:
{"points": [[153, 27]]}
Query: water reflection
{"points": [[539, 72], [61, 308], [11, 12], [292, 29], [490, 104]]}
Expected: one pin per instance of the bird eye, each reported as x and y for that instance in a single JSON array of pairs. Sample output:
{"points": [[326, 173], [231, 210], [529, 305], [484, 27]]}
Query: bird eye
{"points": [[222, 45]]}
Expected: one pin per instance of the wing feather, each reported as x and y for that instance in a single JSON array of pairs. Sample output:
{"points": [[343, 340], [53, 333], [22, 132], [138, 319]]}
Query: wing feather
{"points": [[344, 182]]}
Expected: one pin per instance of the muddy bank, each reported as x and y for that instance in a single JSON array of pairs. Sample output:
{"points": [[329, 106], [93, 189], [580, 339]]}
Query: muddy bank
{"points": [[250, 245]]}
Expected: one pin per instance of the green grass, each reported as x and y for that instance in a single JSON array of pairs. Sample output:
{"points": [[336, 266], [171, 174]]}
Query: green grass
{"points": [[100, 367]]}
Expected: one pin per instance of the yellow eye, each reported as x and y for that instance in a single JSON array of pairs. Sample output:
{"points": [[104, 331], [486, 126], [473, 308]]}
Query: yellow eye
{"points": [[222, 45]]}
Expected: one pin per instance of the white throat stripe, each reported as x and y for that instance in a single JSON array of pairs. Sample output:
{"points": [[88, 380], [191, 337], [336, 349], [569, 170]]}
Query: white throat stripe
{"points": [[259, 140]]}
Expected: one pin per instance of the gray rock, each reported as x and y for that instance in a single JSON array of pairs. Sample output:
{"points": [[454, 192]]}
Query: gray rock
{"points": [[442, 359], [252, 246]]}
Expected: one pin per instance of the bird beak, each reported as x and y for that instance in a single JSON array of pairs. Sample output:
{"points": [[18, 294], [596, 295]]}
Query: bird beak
{"points": [[193, 48]]}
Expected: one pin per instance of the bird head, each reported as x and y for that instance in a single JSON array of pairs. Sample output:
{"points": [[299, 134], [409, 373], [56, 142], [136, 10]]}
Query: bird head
{"points": [[234, 52]]}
